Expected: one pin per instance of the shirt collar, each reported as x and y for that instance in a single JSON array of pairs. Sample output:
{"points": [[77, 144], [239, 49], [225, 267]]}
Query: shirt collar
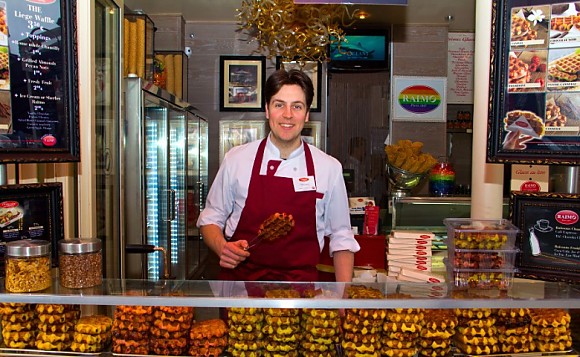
{"points": [[273, 152]]}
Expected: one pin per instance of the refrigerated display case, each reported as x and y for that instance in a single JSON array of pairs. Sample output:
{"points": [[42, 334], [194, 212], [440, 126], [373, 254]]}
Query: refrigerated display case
{"points": [[164, 178]]}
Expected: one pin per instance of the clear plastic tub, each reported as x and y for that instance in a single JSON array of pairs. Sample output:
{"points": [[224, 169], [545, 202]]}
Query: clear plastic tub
{"points": [[484, 279], [467, 233], [482, 258]]}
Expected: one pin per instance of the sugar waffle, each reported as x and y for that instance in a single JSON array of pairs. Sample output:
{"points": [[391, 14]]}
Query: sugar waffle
{"points": [[557, 75], [274, 227]]}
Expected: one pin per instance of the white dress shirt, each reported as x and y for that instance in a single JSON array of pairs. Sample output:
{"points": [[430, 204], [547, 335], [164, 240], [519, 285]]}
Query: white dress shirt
{"points": [[228, 193]]}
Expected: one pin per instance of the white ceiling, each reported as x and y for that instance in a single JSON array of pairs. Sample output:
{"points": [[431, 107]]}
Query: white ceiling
{"points": [[417, 11]]}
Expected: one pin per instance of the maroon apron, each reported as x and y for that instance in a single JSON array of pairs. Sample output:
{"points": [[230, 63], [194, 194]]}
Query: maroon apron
{"points": [[290, 258]]}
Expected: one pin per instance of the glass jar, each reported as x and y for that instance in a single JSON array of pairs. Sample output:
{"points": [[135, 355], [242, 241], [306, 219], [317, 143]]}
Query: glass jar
{"points": [[80, 263], [442, 178], [28, 266]]}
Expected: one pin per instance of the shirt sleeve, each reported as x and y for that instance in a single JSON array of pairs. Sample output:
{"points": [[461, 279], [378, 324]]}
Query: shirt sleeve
{"points": [[337, 217]]}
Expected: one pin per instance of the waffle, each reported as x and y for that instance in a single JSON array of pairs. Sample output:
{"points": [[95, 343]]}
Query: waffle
{"points": [[535, 121], [518, 71], [520, 27], [276, 226], [563, 23]]}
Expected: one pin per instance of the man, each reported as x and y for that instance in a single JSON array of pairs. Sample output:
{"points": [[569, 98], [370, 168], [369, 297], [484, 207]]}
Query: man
{"points": [[279, 174]]}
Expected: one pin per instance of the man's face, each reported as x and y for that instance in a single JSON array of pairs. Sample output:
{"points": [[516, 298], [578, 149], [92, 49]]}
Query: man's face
{"points": [[287, 114]]}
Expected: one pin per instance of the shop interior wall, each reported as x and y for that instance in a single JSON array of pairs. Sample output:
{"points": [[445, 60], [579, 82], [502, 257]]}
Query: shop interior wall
{"points": [[417, 51]]}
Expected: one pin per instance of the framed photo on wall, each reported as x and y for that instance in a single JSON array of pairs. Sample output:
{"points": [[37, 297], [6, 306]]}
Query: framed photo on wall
{"points": [[238, 132], [311, 133], [534, 97], [549, 237], [314, 70], [242, 80]]}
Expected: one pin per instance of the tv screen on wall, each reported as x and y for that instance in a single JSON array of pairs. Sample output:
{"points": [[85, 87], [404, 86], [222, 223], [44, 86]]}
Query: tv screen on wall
{"points": [[361, 50]]}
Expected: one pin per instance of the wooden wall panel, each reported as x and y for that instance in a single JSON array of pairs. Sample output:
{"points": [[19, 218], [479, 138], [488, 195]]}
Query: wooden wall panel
{"points": [[170, 32]]}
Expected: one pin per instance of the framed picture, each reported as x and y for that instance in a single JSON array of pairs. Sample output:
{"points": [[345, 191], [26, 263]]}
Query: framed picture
{"points": [[534, 115], [242, 79], [238, 132], [39, 107], [32, 211], [314, 70], [549, 237], [311, 133]]}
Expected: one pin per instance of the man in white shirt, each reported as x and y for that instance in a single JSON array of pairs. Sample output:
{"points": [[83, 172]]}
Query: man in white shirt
{"points": [[279, 174]]}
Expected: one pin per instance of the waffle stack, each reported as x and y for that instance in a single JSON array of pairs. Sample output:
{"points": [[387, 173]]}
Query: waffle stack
{"points": [[282, 333], [56, 326], [170, 329], [92, 334], [551, 329], [320, 330], [513, 327], [437, 332], [18, 324], [245, 331], [400, 331], [131, 329], [208, 338], [475, 333], [362, 327]]}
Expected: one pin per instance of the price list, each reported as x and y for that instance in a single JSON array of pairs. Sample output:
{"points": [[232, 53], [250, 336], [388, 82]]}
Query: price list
{"points": [[36, 73]]}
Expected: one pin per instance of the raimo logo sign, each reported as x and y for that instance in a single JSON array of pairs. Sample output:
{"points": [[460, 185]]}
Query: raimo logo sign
{"points": [[567, 217], [419, 99]]}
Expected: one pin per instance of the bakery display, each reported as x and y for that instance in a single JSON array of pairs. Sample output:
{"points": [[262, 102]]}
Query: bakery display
{"points": [[320, 329], [55, 326], [208, 338]]}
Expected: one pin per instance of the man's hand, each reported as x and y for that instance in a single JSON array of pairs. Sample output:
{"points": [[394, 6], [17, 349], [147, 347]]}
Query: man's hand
{"points": [[233, 253], [514, 140]]}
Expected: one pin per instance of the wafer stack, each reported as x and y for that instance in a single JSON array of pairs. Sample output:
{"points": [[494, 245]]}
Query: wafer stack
{"points": [[401, 330], [245, 331], [437, 331], [131, 329], [18, 324], [169, 330], [362, 327], [320, 328], [56, 326], [476, 333], [513, 327], [208, 338], [92, 334], [551, 329], [281, 329]]}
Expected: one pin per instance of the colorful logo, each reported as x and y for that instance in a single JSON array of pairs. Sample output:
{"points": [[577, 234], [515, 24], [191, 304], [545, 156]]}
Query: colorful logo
{"points": [[530, 186], [9, 204], [48, 140], [419, 99], [567, 217]]}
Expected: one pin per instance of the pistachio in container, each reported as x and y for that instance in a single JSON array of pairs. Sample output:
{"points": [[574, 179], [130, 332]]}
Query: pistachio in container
{"points": [[28, 266], [80, 262]]}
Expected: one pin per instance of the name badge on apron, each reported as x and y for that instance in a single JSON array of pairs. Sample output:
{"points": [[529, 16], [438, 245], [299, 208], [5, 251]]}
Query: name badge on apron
{"points": [[305, 183]]}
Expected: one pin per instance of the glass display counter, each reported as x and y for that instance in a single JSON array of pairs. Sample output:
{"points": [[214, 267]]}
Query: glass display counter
{"points": [[216, 294]]}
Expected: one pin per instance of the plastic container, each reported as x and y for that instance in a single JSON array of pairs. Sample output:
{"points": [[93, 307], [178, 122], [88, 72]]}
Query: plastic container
{"points": [[484, 279], [442, 178], [467, 233], [28, 266], [482, 259], [80, 263]]}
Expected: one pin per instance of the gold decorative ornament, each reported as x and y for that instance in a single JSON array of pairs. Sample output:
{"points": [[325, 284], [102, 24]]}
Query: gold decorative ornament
{"points": [[295, 32]]}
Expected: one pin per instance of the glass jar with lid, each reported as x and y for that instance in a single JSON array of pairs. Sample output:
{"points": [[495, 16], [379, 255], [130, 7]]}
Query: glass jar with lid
{"points": [[28, 266], [80, 263]]}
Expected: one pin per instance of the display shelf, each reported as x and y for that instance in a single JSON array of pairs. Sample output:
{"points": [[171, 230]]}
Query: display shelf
{"points": [[205, 293]]}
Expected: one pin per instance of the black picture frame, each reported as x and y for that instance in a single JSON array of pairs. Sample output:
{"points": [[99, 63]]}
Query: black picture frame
{"points": [[314, 70], [526, 87], [549, 237], [242, 80], [39, 215], [39, 116]]}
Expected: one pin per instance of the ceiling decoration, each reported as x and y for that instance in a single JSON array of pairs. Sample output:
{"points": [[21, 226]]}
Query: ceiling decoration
{"points": [[292, 31]]}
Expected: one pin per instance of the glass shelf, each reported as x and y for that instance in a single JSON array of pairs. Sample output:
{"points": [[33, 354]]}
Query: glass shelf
{"points": [[205, 293]]}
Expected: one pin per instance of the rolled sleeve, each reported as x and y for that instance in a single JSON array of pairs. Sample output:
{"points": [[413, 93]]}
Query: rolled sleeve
{"points": [[343, 240]]}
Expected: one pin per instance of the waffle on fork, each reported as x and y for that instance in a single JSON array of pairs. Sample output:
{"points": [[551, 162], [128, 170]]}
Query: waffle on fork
{"points": [[275, 226]]}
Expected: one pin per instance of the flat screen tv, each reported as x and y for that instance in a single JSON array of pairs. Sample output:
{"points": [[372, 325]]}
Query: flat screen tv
{"points": [[362, 50]]}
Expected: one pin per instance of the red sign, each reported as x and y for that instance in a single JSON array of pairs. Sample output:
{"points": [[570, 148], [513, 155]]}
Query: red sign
{"points": [[567, 217], [530, 186], [9, 204], [42, 2]]}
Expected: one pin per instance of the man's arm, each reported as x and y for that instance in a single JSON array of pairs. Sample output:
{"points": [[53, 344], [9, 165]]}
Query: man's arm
{"points": [[230, 253], [343, 265]]}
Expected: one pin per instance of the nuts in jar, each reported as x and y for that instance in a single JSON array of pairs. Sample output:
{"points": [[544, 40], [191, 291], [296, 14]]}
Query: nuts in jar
{"points": [[27, 266], [80, 263]]}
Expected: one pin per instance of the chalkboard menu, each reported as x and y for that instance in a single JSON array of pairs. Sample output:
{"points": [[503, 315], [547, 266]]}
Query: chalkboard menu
{"points": [[38, 81]]}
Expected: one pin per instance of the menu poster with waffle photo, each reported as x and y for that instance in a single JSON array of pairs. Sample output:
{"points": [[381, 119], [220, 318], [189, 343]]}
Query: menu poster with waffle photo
{"points": [[535, 91]]}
